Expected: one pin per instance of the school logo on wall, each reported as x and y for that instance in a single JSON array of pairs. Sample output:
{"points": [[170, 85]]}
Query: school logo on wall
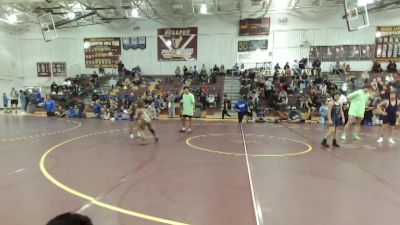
{"points": [[134, 43], [177, 44]]}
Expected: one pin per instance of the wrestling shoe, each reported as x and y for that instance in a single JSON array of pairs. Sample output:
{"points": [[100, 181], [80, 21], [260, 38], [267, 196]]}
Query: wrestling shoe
{"points": [[356, 137], [380, 140]]}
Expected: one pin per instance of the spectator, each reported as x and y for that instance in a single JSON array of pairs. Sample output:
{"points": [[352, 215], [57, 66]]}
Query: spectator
{"points": [[295, 68], [81, 109], [70, 219], [347, 69], [121, 68], [102, 71], [185, 72], [323, 111], [316, 66], [222, 69], [195, 74], [343, 68], [54, 88], [389, 78], [215, 69], [203, 70], [97, 108], [14, 99], [49, 106], [337, 68], [5, 103], [112, 82], [365, 76], [288, 72], [376, 68], [392, 67], [277, 67], [178, 72], [23, 99], [171, 104], [60, 112]]}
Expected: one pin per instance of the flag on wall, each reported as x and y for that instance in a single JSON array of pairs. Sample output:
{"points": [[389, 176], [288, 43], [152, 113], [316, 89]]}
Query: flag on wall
{"points": [[177, 44]]}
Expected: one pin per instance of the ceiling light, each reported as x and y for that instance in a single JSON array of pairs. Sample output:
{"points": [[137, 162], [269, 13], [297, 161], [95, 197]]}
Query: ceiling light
{"points": [[168, 43], [12, 18], [203, 9], [135, 12], [364, 2], [71, 15]]}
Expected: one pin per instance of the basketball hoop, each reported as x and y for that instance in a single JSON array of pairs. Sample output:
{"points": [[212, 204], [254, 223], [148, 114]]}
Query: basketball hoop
{"points": [[356, 15], [48, 27]]}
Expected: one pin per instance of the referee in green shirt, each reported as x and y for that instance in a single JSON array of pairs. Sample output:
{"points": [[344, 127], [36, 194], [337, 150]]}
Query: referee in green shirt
{"points": [[188, 104]]}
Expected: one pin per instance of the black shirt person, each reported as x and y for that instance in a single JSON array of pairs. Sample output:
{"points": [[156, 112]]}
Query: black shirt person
{"points": [[226, 107]]}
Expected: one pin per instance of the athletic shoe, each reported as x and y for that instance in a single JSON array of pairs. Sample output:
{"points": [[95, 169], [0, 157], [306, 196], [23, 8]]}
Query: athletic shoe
{"points": [[183, 130], [132, 136], [356, 137], [391, 141], [324, 144], [380, 140], [335, 144], [189, 131], [343, 137]]}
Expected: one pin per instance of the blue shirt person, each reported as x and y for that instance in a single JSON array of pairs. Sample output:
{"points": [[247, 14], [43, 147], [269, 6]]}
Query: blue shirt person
{"points": [[242, 108]]}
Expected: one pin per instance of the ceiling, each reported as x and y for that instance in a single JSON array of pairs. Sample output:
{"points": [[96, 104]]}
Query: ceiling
{"points": [[90, 12]]}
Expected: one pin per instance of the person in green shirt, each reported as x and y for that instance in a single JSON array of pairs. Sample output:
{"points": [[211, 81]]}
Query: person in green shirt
{"points": [[188, 103], [358, 102]]}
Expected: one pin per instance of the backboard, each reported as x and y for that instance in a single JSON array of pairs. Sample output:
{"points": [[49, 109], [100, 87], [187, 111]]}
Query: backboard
{"points": [[356, 15], [47, 26]]}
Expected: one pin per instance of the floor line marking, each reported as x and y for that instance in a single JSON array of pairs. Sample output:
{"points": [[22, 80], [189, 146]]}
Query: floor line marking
{"points": [[93, 199], [188, 142], [258, 216], [49, 133]]}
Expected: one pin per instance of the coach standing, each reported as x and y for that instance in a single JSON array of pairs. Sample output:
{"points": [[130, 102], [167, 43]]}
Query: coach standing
{"points": [[188, 104]]}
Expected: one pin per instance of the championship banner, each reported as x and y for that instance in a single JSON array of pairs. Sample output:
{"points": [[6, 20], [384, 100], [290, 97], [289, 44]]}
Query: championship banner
{"points": [[387, 44], [134, 43], [43, 69], [102, 52], [177, 44], [254, 45], [341, 53], [59, 69]]}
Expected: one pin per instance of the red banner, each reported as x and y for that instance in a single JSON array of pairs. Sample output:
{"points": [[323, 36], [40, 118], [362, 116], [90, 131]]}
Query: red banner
{"points": [[177, 44]]}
